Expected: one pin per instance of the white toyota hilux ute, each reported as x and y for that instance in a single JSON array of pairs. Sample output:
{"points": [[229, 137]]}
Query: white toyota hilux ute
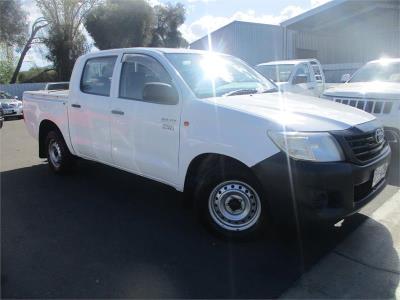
{"points": [[212, 127]]}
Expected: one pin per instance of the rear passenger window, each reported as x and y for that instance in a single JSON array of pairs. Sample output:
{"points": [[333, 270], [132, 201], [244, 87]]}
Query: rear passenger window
{"points": [[97, 75]]}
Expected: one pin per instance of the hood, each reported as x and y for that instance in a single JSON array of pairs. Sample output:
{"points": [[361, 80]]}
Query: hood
{"points": [[296, 112], [371, 90]]}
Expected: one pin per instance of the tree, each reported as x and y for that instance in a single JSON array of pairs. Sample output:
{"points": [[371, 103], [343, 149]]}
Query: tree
{"points": [[13, 23], [120, 23], [7, 62], [64, 40], [36, 26], [168, 19]]}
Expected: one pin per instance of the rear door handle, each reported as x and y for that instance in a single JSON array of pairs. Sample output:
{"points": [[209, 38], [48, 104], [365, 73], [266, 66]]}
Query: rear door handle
{"points": [[76, 105], [117, 112]]}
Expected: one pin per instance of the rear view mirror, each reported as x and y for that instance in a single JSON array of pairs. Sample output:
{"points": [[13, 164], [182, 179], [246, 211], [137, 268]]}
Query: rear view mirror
{"points": [[161, 93], [345, 78], [301, 78]]}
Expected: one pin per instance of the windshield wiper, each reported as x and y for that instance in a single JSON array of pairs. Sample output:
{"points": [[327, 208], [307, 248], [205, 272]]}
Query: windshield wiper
{"points": [[248, 92]]}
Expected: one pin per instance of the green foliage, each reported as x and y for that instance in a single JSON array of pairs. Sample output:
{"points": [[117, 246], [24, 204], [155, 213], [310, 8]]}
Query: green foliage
{"points": [[63, 50], [168, 19], [120, 23], [13, 23], [64, 40], [134, 23], [38, 74], [7, 63]]}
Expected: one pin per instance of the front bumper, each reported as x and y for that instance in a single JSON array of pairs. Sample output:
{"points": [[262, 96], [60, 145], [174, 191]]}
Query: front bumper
{"points": [[13, 112], [317, 191]]}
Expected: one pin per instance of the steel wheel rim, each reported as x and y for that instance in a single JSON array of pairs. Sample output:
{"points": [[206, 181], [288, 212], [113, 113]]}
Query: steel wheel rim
{"points": [[234, 205], [55, 153]]}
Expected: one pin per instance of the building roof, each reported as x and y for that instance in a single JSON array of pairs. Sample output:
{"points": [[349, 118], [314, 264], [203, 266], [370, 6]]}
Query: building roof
{"points": [[338, 12]]}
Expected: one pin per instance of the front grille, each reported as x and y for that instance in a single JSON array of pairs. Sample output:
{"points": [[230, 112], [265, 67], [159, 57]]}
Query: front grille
{"points": [[365, 146], [368, 105]]}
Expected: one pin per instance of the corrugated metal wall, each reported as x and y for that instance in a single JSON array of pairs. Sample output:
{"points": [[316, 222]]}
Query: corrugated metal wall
{"points": [[19, 88], [353, 41], [252, 42]]}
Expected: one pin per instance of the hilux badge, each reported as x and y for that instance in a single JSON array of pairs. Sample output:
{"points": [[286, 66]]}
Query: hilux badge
{"points": [[379, 135]]}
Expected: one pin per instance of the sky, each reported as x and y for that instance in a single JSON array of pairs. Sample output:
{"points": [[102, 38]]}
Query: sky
{"points": [[204, 16]]}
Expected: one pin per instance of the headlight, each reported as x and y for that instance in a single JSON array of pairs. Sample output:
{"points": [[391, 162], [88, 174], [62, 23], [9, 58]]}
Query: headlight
{"points": [[312, 146]]}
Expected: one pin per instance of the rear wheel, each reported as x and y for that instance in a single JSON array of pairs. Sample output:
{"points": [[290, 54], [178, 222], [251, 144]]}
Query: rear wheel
{"points": [[59, 157], [231, 203]]}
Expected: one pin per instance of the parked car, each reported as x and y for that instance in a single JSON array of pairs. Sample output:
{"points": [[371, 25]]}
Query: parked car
{"points": [[374, 88], [12, 107], [1, 117], [301, 76], [209, 125], [53, 86]]}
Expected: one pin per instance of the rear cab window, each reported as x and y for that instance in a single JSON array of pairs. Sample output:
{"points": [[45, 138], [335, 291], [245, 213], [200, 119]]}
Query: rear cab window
{"points": [[97, 75]]}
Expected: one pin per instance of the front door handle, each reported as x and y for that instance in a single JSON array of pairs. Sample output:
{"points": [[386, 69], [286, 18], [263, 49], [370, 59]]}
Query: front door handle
{"points": [[117, 112], [311, 88], [76, 105]]}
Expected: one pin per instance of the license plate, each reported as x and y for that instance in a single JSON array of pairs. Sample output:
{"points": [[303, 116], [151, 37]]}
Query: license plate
{"points": [[8, 111], [379, 174]]}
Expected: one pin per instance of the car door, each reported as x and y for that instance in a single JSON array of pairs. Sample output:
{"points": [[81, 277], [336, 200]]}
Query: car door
{"points": [[145, 132], [302, 82], [89, 107]]}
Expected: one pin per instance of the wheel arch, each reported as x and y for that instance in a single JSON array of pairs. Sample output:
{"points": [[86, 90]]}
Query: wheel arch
{"points": [[205, 160], [44, 128]]}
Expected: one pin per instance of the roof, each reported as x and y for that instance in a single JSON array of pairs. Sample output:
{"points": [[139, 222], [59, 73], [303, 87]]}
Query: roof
{"points": [[287, 62], [336, 12], [385, 60], [143, 49]]}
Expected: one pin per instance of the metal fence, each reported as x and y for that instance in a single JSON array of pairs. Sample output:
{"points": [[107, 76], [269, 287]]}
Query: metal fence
{"points": [[19, 88]]}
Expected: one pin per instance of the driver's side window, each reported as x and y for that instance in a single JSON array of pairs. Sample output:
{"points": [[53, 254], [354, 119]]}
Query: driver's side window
{"points": [[139, 71]]}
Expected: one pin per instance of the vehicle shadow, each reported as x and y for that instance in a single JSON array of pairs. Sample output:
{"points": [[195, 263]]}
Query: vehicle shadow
{"points": [[105, 233], [364, 266]]}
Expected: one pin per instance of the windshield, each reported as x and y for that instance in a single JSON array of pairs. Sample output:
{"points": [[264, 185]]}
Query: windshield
{"points": [[210, 75], [277, 73], [377, 71]]}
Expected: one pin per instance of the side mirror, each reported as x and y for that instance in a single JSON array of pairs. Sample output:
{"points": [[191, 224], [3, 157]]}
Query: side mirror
{"points": [[345, 78], [161, 93], [301, 78]]}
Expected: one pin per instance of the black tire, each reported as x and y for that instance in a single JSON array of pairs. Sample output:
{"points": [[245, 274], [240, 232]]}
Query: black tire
{"points": [[63, 161], [238, 180]]}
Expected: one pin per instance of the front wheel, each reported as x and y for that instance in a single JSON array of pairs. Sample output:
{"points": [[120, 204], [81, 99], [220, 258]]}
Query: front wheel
{"points": [[231, 204]]}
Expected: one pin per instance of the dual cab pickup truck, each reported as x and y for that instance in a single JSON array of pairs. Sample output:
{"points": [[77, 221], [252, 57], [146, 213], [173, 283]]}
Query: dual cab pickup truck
{"points": [[300, 76], [209, 125]]}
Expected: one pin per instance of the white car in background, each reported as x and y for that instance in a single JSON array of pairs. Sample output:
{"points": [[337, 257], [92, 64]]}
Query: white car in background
{"points": [[12, 107], [374, 88], [300, 76]]}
